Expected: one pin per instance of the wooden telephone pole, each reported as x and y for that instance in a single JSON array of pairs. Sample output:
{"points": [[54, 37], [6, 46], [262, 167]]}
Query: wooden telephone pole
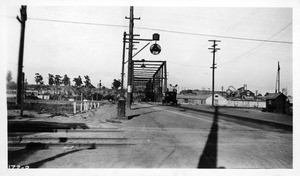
{"points": [[213, 68], [21, 78], [277, 87], [130, 64]]}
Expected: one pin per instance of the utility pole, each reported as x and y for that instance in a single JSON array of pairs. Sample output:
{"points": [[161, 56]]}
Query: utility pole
{"points": [[130, 64], [214, 50], [123, 62], [277, 87], [21, 53], [122, 101]]}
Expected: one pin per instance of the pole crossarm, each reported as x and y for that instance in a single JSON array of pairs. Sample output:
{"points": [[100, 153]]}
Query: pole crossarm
{"points": [[135, 39]]}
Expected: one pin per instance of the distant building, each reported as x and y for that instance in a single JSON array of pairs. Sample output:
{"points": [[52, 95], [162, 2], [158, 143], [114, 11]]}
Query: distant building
{"points": [[276, 102], [199, 92], [245, 94], [31, 92], [202, 99], [191, 98], [11, 93]]}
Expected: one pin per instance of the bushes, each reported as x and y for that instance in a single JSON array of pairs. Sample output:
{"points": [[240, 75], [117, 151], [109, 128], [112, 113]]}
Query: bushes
{"points": [[54, 109]]}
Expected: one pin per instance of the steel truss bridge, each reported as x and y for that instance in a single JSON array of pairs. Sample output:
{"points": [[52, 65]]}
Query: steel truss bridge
{"points": [[149, 80]]}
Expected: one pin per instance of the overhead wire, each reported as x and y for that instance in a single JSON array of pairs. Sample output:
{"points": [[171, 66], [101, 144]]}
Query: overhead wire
{"points": [[219, 36], [257, 46], [76, 22], [253, 12], [164, 30]]}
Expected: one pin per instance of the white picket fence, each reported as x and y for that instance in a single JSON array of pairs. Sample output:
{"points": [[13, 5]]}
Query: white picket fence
{"points": [[83, 106]]}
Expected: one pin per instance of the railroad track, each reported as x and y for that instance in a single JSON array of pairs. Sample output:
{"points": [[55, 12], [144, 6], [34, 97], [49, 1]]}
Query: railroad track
{"points": [[67, 138]]}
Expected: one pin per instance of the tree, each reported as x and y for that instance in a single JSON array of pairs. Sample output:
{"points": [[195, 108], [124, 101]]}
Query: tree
{"points": [[8, 77], [10, 84], [100, 84], [116, 84], [50, 79], [66, 80], [57, 80], [78, 81], [39, 79], [87, 81]]}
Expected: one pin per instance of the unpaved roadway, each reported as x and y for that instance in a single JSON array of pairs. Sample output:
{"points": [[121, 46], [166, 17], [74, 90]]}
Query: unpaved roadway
{"points": [[170, 137]]}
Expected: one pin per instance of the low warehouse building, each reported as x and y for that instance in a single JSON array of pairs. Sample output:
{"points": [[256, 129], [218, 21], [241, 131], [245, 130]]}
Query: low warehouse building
{"points": [[276, 102]]}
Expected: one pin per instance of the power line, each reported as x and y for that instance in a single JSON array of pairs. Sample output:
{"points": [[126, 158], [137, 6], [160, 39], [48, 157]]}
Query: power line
{"points": [[219, 36], [164, 30], [257, 46], [75, 22]]}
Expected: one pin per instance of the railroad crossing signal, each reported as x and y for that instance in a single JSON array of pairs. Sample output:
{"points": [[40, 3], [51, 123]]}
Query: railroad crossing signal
{"points": [[155, 49]]}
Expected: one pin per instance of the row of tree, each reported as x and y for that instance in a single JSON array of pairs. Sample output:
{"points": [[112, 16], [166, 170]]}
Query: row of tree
{"points": [[59, 80], [65, 80]]}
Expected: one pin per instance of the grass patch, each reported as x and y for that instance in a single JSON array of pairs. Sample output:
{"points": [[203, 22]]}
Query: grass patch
{"points": [[53, 109]]}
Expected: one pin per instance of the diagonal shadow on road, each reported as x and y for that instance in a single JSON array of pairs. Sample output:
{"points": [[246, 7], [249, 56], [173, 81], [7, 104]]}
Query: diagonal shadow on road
{"points": [[144, 107], [136, 115], [209, 157], [40, 163]]}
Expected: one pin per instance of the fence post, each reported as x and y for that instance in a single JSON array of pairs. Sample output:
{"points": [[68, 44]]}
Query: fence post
{"points": [[74, 107], [81, 106]]}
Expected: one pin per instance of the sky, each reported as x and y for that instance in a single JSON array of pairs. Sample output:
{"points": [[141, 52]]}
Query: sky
{"points": [[87, 40]]}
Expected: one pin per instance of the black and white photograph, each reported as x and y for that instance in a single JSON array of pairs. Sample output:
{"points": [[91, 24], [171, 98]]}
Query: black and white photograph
{"points": [[128, 86]]}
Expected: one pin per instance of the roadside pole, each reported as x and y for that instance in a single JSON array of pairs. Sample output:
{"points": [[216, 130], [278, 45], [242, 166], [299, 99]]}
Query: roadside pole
{"points": [[213, 68], [154, 49], [129, 75], [20, 61], [122, 101], [123, 62]]}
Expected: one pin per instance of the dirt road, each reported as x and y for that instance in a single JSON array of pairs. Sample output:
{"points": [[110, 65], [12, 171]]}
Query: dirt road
{"points": [[167, 137]]}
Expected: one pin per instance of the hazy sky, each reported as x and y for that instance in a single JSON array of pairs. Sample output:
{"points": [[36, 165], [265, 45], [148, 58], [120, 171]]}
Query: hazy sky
{"points": [[93, 46]]}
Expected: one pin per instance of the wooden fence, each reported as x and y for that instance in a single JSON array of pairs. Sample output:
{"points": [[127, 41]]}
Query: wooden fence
{"points": [[82, 106]]}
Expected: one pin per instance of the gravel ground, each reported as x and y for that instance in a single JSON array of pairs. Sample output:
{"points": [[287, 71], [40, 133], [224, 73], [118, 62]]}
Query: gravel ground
{"points": [[94, 118], [158, 137]]}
